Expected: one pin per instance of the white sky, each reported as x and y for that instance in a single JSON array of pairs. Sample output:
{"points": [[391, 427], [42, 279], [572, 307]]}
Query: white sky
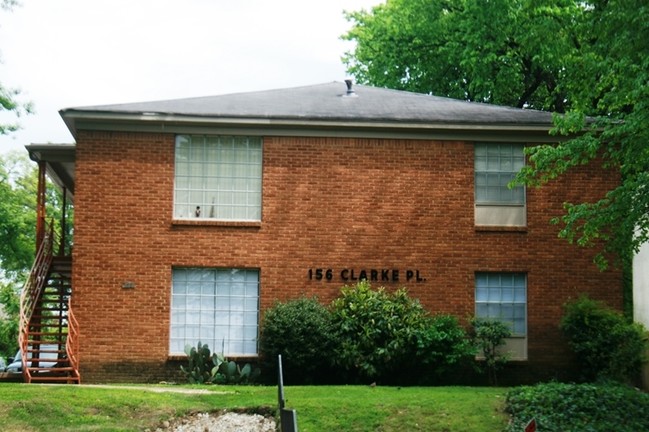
{"points": [[69, 53]]}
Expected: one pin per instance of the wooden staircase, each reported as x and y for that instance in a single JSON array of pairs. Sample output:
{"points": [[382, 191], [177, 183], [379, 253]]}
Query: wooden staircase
{"points": [[48, 333]]}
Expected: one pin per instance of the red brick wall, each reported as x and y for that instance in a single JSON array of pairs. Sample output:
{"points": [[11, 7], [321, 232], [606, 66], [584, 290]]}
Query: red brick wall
{"points": [[327, 203]]}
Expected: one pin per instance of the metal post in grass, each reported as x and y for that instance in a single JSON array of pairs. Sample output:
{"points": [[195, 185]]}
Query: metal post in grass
{"points": [[287, 417]]}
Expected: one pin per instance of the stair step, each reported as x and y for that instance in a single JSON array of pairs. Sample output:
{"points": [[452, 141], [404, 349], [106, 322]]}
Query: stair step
{"points": [[51, 369], [43, 342], [66, 380], [57, 335], [56, 328], [50, 359]]}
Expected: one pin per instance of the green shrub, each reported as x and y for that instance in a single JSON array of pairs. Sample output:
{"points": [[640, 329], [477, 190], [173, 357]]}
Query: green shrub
{"points": [[301, 331], [391, 338], [488, 336], [605, 344], [578, 407], [442, 346]]}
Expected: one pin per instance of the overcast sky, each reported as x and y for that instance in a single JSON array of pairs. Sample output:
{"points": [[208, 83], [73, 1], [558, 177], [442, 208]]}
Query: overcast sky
{"points": [[69, 53]]}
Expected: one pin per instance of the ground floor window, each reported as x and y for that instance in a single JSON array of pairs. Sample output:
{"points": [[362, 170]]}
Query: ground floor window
{"points": [[216, 306], [503, 296]]}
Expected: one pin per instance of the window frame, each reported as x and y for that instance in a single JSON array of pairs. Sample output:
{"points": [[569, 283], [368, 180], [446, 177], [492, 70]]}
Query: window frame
{"points": [[487, 166], [515, 345], [209, 187], [211, 305]]}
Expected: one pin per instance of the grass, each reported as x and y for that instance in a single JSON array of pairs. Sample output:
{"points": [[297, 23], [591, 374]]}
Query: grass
{"points": [[349, 408]]}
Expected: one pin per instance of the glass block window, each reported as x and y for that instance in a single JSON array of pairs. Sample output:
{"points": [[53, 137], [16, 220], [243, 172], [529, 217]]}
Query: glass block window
{"points": [[218, 177], [495, 167], [218, 307], [503, 296]]}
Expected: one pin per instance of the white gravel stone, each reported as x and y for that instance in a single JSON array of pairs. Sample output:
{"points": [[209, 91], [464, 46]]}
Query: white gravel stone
{"points": [[223, 422]]}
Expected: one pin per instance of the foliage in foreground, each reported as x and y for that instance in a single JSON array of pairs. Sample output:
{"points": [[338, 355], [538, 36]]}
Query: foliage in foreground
{"points": [[390, 338], [489, 336], [606, 345], [301, 330], [320, 408], [365, 335], [206, 368], [578, 407]]}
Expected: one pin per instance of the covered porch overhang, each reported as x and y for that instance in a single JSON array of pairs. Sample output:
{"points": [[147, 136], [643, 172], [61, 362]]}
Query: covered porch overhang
{"points": [[56, 161]]}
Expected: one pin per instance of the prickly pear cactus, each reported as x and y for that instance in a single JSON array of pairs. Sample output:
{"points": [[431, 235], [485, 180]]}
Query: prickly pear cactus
{"points": [[199, 368]]}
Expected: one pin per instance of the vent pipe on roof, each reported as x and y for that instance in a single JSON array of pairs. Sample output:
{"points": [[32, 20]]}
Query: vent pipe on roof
{"points": [[350, 91]]}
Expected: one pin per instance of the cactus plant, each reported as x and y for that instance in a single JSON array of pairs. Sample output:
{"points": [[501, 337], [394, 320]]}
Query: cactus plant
{"points": [[207, 368], [201, 368]]}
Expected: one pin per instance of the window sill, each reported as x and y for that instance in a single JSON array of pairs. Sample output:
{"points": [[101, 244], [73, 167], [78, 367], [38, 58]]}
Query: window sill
{"points": [[500, 228], [214, 223], [242, 358]]}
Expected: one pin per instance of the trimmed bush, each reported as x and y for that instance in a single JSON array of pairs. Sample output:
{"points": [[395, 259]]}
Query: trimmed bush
{"points": [[301, 331], [488, 336], [606, 345], [578, 407], [391, 338], [443, 346]]}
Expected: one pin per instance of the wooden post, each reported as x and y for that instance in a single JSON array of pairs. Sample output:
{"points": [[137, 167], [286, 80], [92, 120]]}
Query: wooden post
{"points": [[62, 237], [40, 205]]}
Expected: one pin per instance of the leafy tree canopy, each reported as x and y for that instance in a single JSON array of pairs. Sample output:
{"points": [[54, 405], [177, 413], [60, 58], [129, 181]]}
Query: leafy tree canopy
{"points": [[587, 60], [9, 103], [18, 184]]}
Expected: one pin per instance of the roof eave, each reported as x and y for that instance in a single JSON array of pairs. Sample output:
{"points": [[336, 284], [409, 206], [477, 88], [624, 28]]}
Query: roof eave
{"points": [[174, 123]]}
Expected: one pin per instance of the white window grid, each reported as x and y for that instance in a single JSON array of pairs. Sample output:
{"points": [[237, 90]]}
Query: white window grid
{"points": [[495, 167], [503, 297], [217, 307], [218, 177]]}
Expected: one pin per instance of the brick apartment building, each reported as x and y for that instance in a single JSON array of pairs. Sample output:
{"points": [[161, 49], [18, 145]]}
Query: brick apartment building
{"points": [[193, 216]]}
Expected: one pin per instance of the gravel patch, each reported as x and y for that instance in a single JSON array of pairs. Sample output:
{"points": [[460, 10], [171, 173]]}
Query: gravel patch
{"points": [[220, 422]]}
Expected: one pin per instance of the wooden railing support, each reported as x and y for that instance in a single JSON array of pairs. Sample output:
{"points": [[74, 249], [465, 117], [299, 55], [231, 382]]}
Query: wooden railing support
{"points": [[32, 291]]}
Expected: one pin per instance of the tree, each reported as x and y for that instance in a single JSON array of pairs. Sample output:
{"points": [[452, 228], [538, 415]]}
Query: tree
{"points": [[17, 245], [618, 94], [18, 179], [18, 185], [487, 51], [587, 60], [9, 102]]}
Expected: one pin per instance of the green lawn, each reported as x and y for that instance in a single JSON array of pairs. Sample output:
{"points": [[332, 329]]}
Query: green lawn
{"points": [[323, 408]]}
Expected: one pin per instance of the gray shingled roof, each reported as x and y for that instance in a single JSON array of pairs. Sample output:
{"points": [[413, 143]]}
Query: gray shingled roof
{"points": [[321, 110], [330, 102]]}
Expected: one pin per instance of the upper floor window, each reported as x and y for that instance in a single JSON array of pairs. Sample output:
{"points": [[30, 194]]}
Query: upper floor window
{"points": [[495, 166], [218, 177]]}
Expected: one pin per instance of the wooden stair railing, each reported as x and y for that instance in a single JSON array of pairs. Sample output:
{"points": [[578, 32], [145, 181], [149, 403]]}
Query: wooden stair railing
{"points": [[72, 343], [32, 292], [48, 334]]}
